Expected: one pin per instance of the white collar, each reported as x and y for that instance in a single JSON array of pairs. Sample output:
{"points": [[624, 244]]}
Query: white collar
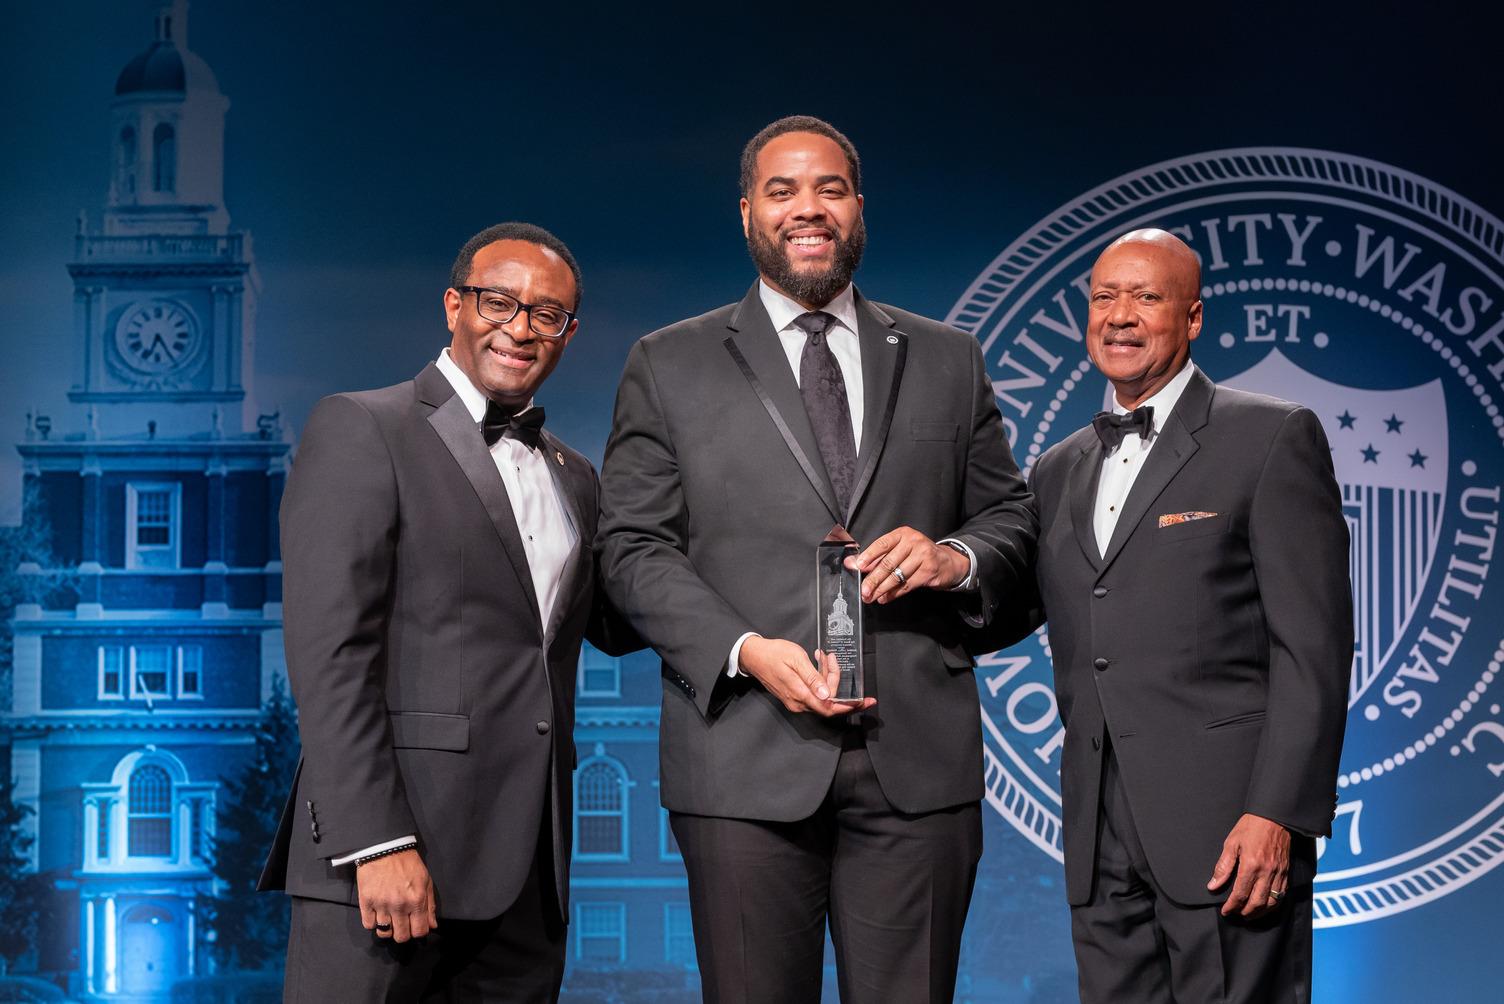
{"points": [[782, 310], [1164, 399], [475, 401]]}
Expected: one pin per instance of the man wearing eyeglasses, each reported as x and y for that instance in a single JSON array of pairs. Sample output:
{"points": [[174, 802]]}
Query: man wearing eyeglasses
{"points": [[438, 580]]}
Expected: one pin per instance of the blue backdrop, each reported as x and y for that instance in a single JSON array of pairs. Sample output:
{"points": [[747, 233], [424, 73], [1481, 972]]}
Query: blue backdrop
{"points": [[1330, 167]]}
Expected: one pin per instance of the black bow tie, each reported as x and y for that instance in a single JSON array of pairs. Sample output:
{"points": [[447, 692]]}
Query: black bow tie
{"points": [[526, 427], [1112, 428]]}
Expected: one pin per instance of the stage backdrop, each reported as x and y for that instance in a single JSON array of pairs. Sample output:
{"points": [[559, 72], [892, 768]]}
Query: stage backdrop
{"points": [[158, 366]]}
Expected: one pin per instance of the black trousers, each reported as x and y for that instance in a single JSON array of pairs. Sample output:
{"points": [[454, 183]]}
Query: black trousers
{"points": [[517, 957], [894, 887], [1133, 943]]}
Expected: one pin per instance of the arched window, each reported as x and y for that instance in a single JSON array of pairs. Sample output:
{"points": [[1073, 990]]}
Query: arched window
{"points": [[164, 153], [600, 798], [125, 166], [149, 813]]}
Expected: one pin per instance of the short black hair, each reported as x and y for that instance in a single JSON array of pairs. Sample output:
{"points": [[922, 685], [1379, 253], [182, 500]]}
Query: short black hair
{"points": [[459, 272], [797, 123]]}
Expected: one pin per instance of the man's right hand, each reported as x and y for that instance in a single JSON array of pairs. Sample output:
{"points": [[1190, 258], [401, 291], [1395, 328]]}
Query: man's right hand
{"points": [[396, 892], [788, 674]]}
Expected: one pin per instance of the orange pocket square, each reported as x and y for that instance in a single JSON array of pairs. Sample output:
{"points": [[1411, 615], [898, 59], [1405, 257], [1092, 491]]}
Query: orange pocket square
{"points": [[1172, 518]]}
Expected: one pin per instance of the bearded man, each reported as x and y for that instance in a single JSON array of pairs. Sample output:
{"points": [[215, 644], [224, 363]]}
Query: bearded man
{"points": [[740, 438]]}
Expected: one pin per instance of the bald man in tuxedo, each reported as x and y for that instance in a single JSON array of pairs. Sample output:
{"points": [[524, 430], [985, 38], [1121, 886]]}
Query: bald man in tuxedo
{"points": [[1193, 566]]}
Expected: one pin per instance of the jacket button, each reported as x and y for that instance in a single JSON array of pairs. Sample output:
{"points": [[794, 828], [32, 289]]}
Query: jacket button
{"points": [[1100, 663], [1096, 743], [1099, 592], [543, 728]]}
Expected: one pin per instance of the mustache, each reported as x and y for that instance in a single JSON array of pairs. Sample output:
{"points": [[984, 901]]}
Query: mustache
{"points": [[835, 231]]}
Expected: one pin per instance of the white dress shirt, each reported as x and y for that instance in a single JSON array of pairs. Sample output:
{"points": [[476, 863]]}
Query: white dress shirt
{"points": [[1121, 465], [841, 337], [548, 535]]}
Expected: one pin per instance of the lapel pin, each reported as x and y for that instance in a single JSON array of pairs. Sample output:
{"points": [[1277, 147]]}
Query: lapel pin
{"points": [[559, 457], [892, 339]]}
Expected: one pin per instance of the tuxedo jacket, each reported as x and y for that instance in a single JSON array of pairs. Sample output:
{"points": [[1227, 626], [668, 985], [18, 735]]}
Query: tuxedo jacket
{"points": [[431, 698], [714, 500], [1213, 653]]}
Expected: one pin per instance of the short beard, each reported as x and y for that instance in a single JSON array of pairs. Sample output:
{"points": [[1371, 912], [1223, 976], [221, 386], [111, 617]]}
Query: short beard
{"points": [[806, 286]]}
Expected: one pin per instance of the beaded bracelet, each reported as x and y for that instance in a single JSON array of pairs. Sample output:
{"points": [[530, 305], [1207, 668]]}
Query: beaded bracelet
{"points": [[390, 850]]}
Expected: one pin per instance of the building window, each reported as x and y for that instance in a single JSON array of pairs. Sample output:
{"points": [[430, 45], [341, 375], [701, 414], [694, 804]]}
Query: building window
{"points": [[668, 847], [149, 813], [600, 932], [151, 667], [600, 815], [151, 526], [164, 153], [155, 672], [102, 837], [600, 674], [190, 671], [125, 167], [111, 673], [198, 844], [678, 935]]}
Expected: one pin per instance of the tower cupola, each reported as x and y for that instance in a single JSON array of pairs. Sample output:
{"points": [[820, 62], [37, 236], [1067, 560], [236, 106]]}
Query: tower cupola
{"points": [[167, 102]]}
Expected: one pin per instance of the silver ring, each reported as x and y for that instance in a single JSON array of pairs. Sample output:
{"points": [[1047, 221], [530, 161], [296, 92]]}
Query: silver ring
{"points": [[1276, 895], [383, 928], [898, 574]]}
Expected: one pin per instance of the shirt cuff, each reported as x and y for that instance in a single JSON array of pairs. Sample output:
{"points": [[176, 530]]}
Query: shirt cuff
{"points": [[373, 849], [968, 584], [734, 664]]}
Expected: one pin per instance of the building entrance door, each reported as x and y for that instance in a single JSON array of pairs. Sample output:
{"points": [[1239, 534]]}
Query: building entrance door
{"points": [[151, 950]]}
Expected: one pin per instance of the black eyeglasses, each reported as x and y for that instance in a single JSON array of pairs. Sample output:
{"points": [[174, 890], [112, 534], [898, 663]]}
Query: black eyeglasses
{"points": [[545, 319]]}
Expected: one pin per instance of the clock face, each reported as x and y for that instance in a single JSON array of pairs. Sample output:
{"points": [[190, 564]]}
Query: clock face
{"points": [[156, 336]]}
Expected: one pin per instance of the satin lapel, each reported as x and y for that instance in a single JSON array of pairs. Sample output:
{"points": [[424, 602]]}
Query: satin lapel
{"points": [[1176, 445], [1083, 498], [458, 431], [570, 486], [758, 353], [882, 374]]}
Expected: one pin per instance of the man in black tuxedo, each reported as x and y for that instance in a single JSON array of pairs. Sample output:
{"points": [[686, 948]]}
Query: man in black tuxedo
{"points": [[439, 577], [740, 438], [1193, 564]]}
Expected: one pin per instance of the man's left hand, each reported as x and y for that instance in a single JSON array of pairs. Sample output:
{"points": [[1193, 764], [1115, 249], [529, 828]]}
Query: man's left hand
{"points": [[1258, 850], [923, 565]]}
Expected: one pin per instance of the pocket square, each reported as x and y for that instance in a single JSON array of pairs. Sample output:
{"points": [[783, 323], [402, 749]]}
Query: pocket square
{"points": [[1173, 518]]}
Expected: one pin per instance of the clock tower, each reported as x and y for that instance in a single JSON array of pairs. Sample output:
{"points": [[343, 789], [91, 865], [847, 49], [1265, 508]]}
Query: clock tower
{"points": [[149, 636], [164, 289]]}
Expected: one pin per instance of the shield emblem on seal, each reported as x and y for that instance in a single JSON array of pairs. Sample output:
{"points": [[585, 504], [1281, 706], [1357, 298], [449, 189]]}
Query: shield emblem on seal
{"points": [[1389, 449]]}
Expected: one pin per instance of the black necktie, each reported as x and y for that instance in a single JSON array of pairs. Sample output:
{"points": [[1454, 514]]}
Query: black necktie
{"points": [[526, 427], [1112, 428], [824, 393]]}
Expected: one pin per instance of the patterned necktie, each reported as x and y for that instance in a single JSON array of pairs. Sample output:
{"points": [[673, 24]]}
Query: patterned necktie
{"points": [[1112, 428], [526, 427], [824, 392]]}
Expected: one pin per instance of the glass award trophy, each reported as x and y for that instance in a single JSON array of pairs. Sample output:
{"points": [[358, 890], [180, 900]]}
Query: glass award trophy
{"points": [[838, 612]]}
